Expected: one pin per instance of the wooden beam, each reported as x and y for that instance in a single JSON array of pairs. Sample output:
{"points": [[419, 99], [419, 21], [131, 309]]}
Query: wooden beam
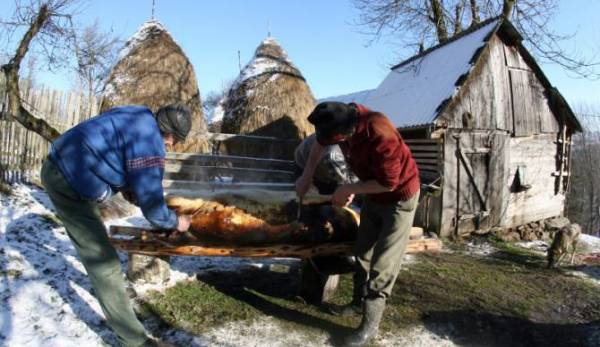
{"points": [[283, 250]]}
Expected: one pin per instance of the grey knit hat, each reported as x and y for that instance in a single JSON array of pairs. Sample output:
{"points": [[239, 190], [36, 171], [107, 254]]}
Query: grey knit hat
{"points": [[174, 119]]}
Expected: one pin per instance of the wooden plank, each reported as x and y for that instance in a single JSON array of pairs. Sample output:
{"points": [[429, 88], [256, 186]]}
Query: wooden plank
{"points": [[280, 250], [432, 148], [425, 167], [497, 189], [426, 155], [423, 141], [426, 161], [471, 174], [514, 59], [501, 86]]}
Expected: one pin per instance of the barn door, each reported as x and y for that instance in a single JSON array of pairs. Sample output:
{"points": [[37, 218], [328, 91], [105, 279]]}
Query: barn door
{"points": [[480, 170]]}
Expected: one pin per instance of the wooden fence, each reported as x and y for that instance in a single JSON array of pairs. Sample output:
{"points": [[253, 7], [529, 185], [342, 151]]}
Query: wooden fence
{"points": [[22, 151]]}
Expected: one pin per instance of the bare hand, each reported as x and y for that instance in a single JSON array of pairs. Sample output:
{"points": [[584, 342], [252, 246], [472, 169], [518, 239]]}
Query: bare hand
{"points": [[342, 196], [183, 222], [302, 185]]}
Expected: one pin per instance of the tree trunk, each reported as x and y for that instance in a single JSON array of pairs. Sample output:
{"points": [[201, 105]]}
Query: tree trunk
{"points": [[14, 107], [458, 10], [508, 7], [438, 20], [475, 19]]}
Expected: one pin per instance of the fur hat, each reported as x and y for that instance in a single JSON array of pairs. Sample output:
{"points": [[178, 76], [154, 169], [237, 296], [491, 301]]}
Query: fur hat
{"points": [[332, 118], [174, 119]]}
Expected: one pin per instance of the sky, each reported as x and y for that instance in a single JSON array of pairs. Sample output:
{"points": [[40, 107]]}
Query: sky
{"points": [[321, 38]]}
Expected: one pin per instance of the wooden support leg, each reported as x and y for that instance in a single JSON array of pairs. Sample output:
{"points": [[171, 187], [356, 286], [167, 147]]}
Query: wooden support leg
{"points": [[150, 269], [317, 287]]}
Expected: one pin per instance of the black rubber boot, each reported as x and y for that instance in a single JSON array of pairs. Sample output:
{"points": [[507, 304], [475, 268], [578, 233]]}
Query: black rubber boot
{"points": [[355, 307], [373, 311]]}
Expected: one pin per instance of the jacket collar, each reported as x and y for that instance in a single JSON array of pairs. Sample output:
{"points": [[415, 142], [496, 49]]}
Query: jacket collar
{"points": [[362, 130]]}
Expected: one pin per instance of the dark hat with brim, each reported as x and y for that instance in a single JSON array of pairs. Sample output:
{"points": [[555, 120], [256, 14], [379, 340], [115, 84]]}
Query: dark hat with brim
{"points": [[332, 118]]}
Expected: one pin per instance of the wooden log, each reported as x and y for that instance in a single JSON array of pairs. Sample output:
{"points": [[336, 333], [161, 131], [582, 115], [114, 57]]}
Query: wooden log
{"points": [[280, 250]]}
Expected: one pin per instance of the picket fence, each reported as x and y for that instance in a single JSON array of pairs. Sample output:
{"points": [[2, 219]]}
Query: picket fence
{"points": [[22, 151]]}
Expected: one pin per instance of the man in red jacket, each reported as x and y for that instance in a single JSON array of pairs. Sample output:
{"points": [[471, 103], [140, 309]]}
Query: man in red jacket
{"points": [[389, 178]]}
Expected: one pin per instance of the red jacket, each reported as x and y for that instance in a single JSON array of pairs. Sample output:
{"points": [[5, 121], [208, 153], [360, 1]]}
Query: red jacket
{"points": [[376, 151]]}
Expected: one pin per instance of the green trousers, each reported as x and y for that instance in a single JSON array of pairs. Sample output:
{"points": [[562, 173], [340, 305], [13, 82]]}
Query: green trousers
{"points": [[84, 226], [381, 242]]}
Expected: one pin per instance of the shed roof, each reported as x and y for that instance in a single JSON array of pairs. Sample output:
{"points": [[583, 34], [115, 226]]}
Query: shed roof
{"points": [[417, 90], [412, 92]]}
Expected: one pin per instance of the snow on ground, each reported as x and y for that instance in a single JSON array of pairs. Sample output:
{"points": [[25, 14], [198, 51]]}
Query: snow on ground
{"points": [[47, 301]]}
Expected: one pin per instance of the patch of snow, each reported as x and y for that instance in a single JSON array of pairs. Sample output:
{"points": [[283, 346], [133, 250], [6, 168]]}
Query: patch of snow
{"points": [[587, 272], [589, 242], [218, 112], [539, 246], [110, 89], [411, 93], [150, 28], [479, 248], [258, 66], [274, 77], [418, 336]]}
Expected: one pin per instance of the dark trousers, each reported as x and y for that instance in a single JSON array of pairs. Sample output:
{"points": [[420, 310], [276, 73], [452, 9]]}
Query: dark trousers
{"points": [[86, 230], [380, 246]]}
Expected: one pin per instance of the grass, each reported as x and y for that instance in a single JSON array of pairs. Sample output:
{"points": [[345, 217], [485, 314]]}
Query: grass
{"points": [[510, 291]]}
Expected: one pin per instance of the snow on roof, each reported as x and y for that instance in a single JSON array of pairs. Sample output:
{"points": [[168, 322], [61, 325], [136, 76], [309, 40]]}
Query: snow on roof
{"points": [[412, 92], [357, 97], [148, 29]]}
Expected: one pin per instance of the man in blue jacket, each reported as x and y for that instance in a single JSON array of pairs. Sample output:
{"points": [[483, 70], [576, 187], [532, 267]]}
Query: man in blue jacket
{"points": [[123, 150]]}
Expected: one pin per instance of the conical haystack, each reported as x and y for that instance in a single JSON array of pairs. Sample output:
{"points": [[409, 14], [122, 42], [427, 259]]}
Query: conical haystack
{"points": [[269, 98], [153, 71]]}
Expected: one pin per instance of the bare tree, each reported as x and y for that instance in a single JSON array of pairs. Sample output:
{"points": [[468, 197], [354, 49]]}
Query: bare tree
{"points": [[96, 52], [49, 23], [427, 21], [584, 195]]}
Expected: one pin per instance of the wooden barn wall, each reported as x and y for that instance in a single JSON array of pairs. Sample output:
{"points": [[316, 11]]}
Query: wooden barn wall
{"points": [[474, 191], [537, 154], [484, 100], [502, 93], [531, 110]]}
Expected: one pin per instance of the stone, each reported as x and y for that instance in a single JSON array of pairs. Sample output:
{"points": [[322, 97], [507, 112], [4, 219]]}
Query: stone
{"points": [[496, 230], [150, 269], [557, 223], [510, 237], [542, 224]]}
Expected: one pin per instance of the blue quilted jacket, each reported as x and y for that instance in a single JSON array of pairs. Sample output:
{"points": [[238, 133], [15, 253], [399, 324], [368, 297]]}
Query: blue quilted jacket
{"points": [[121, 149]]}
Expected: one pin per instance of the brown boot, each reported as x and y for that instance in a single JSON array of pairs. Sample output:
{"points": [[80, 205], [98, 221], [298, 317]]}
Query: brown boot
{"points": [[373, 311]]}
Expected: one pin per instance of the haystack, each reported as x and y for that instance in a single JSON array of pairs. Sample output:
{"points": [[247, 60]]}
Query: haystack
{"points": [[269, 98], [153, 70]]}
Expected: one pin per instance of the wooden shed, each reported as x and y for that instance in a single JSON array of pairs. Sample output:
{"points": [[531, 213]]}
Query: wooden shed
{"points": [[486, 126]]}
